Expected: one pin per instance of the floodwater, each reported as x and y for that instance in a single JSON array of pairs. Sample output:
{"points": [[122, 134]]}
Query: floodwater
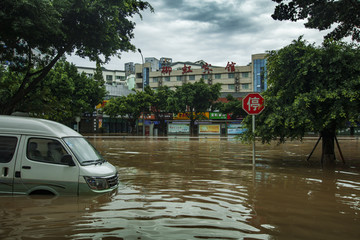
{"points": [[202, 189]]}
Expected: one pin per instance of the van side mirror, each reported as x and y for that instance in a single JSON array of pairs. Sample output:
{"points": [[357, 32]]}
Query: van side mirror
{"points": [[67, 159]]}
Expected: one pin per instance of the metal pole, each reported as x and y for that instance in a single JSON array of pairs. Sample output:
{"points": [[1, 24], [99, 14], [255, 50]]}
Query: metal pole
{"points": [[143, 88], [253, 131]]}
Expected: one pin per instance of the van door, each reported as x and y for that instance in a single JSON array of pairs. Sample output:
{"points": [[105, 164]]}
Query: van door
{"points": [[8, 151], [42, 169]]}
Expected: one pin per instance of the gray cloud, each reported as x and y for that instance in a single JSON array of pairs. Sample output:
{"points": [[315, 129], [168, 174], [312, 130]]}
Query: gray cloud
{"points": [[216, 31]]}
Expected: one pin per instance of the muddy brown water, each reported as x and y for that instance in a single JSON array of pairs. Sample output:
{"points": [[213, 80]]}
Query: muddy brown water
{"points": [[202, 189]]}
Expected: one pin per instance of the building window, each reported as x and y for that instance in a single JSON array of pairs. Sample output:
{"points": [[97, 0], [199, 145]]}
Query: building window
{"points": [[245, 74], [231, 75], [155, 79], [178, 78], [191, 77], [218, 76], [245, 86], [167, 79], [205, 76], [109, 77], [231, 86], [90, 75]]}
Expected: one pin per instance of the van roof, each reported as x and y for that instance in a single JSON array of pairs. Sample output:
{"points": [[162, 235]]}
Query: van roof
{"points": [[35, 126]]}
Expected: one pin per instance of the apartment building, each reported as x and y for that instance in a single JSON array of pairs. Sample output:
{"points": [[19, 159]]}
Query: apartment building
{"points": [[235, 80], [111, 77], [116, 84]]}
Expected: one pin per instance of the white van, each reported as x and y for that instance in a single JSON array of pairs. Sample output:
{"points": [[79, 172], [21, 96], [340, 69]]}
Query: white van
{"points": [[39, 156]]}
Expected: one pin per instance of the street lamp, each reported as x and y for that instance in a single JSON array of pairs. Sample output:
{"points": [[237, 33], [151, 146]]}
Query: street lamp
{"points": [[143, 87], [142, 68]]}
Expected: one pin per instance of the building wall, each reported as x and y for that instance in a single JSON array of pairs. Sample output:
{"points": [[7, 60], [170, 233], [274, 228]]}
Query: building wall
{"points": [[242, 79], [116, 91], [116, 77], [154, 63], [259, 72], [129, 68]]}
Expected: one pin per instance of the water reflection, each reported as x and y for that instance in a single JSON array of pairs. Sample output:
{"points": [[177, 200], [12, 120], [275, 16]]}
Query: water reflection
{"points": [[202, 189]]}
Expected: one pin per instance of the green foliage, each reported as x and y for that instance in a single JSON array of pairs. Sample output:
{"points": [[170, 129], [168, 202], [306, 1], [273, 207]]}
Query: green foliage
{"points": [[35, 34], [159, 103], [130, 106], [310, 89], [194, 99], [233, 107], [98, 76], [323, 15], [198, 97], [62, 95]]}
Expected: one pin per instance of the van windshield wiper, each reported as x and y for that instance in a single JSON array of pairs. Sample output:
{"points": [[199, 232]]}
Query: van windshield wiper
{"points": [[100, 160]]}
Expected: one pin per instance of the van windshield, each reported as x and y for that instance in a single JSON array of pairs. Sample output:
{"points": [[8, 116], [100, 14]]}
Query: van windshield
{"points": [[84, 151]]}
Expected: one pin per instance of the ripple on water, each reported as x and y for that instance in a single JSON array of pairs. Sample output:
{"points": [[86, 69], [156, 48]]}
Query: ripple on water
{"points": [[212, 213]]}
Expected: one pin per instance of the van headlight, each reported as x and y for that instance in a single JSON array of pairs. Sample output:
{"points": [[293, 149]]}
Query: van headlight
{"points": [[97, 183]]}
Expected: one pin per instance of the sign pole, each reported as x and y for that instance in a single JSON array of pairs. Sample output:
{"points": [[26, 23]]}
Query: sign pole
{"points": [[253, 131], [253, 104]]}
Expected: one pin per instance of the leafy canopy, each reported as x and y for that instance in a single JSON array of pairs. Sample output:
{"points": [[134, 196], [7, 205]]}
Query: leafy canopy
{"points": [[194, 98], [35, 34], [310, 89], [322, 15], [233, 107], [62, 95], [129, 107]]}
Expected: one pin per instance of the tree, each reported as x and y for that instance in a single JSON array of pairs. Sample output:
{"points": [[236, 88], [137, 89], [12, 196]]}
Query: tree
{"points": [[159, 105], [35, 34], [323, 15], [129, 107], [233, 107], [194, 99], [311, 89], [62, 95], [98, 75]]}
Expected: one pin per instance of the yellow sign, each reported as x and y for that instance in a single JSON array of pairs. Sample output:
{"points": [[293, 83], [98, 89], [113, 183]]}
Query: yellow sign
{"points": [[184, 116], [101, 105], [209, 129]]}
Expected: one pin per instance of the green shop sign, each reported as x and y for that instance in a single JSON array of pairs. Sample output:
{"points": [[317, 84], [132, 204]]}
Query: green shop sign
{"points": [[216, 115]]}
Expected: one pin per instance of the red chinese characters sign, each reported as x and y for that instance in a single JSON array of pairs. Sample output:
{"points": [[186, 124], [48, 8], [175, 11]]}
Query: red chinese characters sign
{"points": [[253, 103], [166, 69], [186, 69], [207, 68], [230, 67]]}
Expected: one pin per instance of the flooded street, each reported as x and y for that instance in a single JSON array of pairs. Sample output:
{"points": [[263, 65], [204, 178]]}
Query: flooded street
{"points": [[181, 188]]}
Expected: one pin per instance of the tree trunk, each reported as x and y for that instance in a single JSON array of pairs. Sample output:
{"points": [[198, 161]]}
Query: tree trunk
{"points": [[192, 126], [328, 147], [29, 84]]}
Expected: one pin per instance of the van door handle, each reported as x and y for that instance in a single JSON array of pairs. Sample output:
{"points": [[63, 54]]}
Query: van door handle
{"points": [[26, 167]]}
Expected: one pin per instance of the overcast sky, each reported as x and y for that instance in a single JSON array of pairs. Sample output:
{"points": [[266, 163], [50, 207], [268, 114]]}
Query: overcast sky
{"points": [[216, 31]]}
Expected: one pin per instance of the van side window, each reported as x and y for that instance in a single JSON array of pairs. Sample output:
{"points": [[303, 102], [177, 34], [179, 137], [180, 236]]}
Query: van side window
{"points": [[7, 148], [45, 150]]}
